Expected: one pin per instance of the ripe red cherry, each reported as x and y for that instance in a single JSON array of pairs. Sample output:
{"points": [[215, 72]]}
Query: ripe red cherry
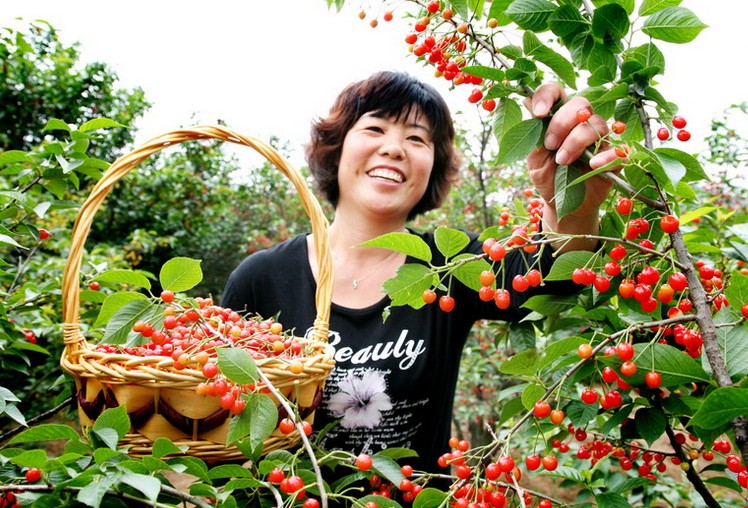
{"points": [[618, 127], [677, 281], [744, 310], [683, 135], [624, 206], [33, 475], [276, 475], [210, 370], [429, 296], [653, 379], [534, 277], [506, 463], [550, 462], [628, 368], [475, 96], [44, 234], [618, 252], [679, 122], [489, 104], [167, 296], [493, 471], [669, 224], [649, 275], [433, 7], [626, 288], [520, 283], [94, 286], [532, 462], [541, 409], [364, 462], [502, 299], [609, 375], [589, 396], [286, 426], [663, 134], [625, 351], [612, 268], [447, 303], [583, 115], [497, 252]]}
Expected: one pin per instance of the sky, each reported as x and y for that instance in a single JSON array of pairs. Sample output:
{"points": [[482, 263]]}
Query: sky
{"points": [[268, 67]]}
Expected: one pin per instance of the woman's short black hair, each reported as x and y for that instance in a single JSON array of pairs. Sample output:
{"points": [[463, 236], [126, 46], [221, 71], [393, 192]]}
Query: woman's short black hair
{"points": [[392, 94]]}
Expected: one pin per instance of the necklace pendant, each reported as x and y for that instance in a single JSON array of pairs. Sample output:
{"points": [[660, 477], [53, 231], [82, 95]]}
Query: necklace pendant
{"points": [[355, 284]]}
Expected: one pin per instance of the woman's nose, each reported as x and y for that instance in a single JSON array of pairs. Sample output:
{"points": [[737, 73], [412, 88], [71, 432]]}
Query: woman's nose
{"points": [[392, 147]]}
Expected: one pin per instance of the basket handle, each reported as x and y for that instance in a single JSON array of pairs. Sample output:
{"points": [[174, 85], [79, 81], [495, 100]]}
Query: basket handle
{"points": [[123, 165]]}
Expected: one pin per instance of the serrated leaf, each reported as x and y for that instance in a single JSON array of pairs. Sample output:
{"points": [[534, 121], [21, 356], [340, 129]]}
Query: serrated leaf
{"points": [[30, 458], [148, 485], [557, 63], [649, 7], [387, 468], [469, 273], [567, 473], [240, 426], [114, 418], [580, 413], [532, 393], [14, 157], [568, 197], [45, 432], [99, 123], [673, 24], [550, 305], [411, 245], [611, 500], [237, 365], [128, 277], [430, 498], [567, 20], [56, 125], [559, 348], [610, 23], [520, 140], [651, 423], [531, 14], [93, 493], [119, 327], [694, 171], [450, 241], [506, 114], [407, 287], [12, 411], [720, 407], [229, 471], [180, 274], [524, 363], [113, 303], [263, 417], [163, 447], [566, 263], [484, 72]]}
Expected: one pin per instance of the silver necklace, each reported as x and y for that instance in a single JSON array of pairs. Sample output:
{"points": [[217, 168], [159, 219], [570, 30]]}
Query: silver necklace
{"points": [[355, 282]]}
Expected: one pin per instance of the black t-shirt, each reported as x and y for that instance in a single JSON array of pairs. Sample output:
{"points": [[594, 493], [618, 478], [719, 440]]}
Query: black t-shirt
{"points": [[394, 381]]}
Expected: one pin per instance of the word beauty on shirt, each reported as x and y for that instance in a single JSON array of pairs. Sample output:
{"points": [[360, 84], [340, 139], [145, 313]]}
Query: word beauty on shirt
{"points": [[406, 349]]}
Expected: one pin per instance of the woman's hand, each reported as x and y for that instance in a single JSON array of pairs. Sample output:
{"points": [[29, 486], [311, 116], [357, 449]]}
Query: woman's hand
{"points": [[565, 140]]}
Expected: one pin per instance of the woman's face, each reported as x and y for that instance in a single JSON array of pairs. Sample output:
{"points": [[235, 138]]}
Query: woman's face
{"points": [[385, 165]]}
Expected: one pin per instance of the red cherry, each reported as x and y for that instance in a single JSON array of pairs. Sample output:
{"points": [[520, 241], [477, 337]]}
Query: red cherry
{"points": [[624, 206], [653, 379], [589, 396], [628, 368], [364, 462], [550, 462], [679, 122], [167, 296], [276, 475], [744, 310], [286, 426], [447, 303], [677, 281], [541, 409], [489, 104], [669, 224], [502, 299], [625, 351], [429, 296], [618, 127], [683, 135], [33, 475], [44, 234], [94, 286], [583, 115], [520, 283], [612, 268], [663, 134], [532, 462], [609, 375], [618, 252]]}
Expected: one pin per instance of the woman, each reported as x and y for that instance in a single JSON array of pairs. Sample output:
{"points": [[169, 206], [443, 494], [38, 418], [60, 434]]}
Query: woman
{"points": [[384, 155]]}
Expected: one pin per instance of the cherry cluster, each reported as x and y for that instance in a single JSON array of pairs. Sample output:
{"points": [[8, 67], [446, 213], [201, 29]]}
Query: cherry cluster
{"points": [[679, 122]]}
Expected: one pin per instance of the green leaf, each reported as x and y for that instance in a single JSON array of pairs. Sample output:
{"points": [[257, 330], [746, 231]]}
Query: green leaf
{"points": [[649, 7], [113, 303], [30, 458], [128, 277], [56, 125], [14, 157], [430, 498], [531, 14], [567, 263], [93, 493], [568, 197], [532, 393], [694, 171], [557, 63], [450, 241], [720, 407], [520, 140], [407, 287], [559, 348], [240, 426], [524, 363], [411, 245], [580, 413], [180, 274], [237, 365], [387, 468], [45, 432], [610, 23], [673, 24], [567, 21], [263, 417], [567, 473], [114, 418], [611, 500], [469, 272], [648, 55], [119, 327], [10, 241], [550, 305], [506, 114], [163, 447], [690, 215], [99, 123], [148, 485], [676, 367], [650, 422], [484, 72], [229, 471]]}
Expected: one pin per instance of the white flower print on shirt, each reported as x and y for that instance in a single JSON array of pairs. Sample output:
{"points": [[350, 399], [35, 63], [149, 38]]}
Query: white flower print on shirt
{"points": [[361, 400]]}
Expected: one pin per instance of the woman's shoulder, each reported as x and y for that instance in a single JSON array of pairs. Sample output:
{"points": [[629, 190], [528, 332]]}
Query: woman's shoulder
{"points": [[283, 253]]}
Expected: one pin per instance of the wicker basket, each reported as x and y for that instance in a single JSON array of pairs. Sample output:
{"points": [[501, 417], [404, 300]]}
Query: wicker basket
{"points": [[160, 399]]}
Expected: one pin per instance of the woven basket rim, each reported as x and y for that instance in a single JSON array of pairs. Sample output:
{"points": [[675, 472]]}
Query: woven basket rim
{"points": [[75, 342]]}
